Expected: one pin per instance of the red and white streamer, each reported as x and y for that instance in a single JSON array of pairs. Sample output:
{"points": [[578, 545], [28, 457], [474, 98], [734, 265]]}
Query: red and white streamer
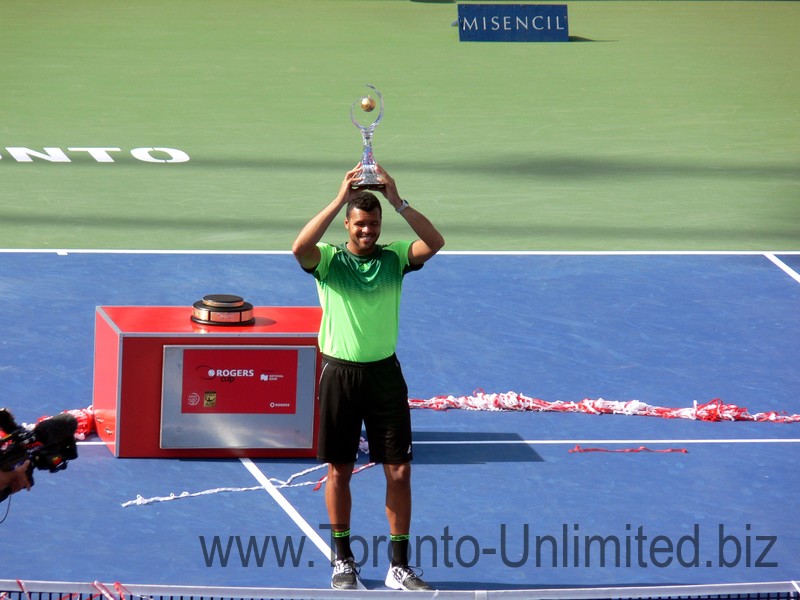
{"points": [[714, 410], [580, 449]]}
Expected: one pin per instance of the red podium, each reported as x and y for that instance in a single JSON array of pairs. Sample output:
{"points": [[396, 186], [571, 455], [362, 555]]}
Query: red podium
{"points": [[165, 386]]}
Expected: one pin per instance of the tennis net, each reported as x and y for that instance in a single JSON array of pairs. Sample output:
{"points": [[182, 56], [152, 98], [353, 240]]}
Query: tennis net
{"points": [[44, 590]]}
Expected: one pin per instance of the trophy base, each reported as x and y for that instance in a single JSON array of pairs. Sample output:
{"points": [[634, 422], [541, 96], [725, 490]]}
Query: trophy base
{"points": [[222, 309], [369, 186]]}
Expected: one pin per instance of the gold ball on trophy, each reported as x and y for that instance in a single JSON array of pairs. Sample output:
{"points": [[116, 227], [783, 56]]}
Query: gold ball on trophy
{"points": [[367, 104]]}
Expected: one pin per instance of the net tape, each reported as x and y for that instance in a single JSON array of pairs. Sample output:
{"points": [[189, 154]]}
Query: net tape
{"points": [[42, 590]]}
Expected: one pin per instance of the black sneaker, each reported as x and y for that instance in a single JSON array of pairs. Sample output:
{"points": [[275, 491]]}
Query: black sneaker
{"points": [[401, 577]]}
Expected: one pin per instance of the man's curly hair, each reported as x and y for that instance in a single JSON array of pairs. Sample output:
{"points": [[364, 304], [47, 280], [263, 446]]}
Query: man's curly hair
{"points": [[366, 201]]}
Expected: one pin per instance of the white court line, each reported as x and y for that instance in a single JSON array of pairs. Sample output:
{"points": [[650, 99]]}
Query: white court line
{"points": [[783, 266], [554, 442], [67, 251], [616, 252], [287, 507], [292, 512]]}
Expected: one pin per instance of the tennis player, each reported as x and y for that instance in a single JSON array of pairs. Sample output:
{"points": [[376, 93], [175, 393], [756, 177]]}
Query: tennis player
{"points": [[359, 284]]}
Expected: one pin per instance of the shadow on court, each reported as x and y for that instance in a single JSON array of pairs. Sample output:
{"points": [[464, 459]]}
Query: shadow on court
{"points": [[471, 448]]}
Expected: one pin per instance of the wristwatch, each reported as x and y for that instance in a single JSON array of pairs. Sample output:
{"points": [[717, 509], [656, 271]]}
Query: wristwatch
{"points": [[402, 207]]}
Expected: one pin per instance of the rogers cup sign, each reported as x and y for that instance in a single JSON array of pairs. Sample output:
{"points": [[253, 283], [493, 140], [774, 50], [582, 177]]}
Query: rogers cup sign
{"points": [[241, 381], [513, 23]]}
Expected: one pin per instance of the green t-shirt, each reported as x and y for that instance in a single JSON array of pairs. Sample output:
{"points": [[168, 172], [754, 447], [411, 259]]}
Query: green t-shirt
{"points": [[360, 299]]}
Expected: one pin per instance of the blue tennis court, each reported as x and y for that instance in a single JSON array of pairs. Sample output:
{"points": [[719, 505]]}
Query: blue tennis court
{"points": [[621, 214], [500, 501]]}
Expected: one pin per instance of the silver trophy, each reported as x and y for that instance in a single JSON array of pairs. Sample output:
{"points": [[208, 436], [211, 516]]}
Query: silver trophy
{"points": [[369, 170]]}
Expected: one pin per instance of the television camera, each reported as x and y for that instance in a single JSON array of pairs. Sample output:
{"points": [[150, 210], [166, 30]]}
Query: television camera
{"points": [[48, 445]]}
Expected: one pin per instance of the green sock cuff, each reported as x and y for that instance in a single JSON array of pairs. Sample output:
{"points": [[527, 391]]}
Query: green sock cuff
{"points": [[341, 534], [399, 538]]}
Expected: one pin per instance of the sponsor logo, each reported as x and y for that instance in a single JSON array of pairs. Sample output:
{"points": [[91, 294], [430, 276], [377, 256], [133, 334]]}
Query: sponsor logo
{"points": [[271, 376], [512, 23], [225, 375]]}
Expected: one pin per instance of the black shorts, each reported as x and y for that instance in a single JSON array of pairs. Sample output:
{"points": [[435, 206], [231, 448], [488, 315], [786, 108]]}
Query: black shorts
{"points": [[374, 393]]}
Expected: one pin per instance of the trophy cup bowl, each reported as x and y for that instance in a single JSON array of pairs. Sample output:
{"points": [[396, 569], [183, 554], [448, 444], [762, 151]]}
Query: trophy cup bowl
{"points": [[369, 171]]}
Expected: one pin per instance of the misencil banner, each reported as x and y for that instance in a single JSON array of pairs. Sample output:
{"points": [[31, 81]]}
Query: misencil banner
{"points": [[513, 23]]}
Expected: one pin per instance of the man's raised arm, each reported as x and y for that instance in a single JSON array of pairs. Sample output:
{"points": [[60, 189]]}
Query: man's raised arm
{"points": [[304, 247], [430, 240]]}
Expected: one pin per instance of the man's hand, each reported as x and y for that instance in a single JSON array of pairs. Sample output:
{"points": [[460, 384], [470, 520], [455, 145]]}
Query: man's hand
{"points": [[390, 190], [17, 479], [351, 178]]}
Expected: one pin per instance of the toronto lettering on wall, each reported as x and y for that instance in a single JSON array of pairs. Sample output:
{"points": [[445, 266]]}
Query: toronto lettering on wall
{"points": [[100, 154]]}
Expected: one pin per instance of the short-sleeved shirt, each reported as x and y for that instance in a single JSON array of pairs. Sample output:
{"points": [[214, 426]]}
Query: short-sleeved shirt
{"points": [[360, 299]]}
